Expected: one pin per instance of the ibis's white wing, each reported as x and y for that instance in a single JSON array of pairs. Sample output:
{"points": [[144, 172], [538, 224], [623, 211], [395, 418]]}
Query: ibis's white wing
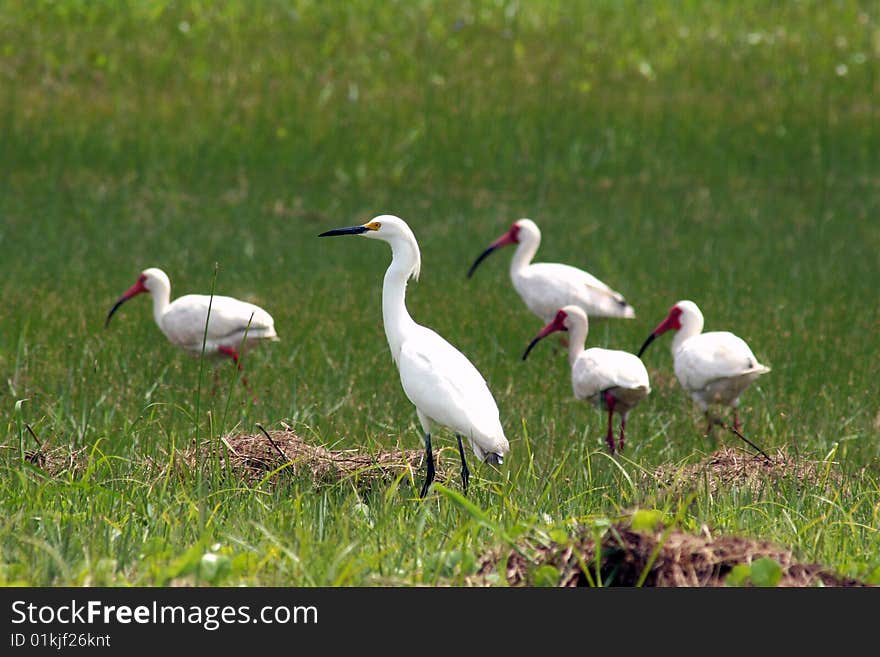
{"points": [[184, 321], [708, 357], [547, 287], [598, 369]]}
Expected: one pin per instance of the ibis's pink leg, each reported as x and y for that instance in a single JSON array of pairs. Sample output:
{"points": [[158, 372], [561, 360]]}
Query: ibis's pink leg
{"points": [[609, 437], [622, 429], [233, 354], [736, 424]]}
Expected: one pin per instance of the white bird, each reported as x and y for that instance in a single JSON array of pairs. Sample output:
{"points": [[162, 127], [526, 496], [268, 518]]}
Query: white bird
{"points": [[612, 380], [233, 325], [546, 287], [438, 379], [714, 367]]}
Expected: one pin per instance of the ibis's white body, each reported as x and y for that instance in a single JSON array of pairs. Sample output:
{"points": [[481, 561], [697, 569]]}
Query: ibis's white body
{"points": [[437, 378], [715, 367], [183, 320], [597, 371], [547, 287], [620, 373], [233, 324]]}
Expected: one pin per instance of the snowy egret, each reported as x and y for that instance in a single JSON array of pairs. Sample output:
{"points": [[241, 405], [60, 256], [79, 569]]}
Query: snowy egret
{"points": [[714, 367], [612, 380], [546, 287], [438, 379], [234, 325]]}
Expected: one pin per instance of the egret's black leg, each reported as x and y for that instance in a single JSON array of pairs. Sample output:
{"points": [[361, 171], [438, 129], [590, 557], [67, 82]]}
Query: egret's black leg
{"points": [[465, 473], [429, 457]]}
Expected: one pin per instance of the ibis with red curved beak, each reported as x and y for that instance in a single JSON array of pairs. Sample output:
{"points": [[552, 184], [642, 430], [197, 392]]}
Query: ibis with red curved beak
{"points": [[714, 367], [612, 380], [233, 325], [546, 287]]}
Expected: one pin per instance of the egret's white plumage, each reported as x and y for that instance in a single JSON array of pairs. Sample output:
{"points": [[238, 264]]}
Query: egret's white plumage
{"points": [[714, 367], [546, 287], [233, 324], [437, 378], [447, 389], [613, 380]]}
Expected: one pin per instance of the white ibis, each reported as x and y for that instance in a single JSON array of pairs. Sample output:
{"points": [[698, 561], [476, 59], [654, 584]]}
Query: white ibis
{"points": [[438, 379], [233, 324], [612, 380], [714, 367], [546, 287]]}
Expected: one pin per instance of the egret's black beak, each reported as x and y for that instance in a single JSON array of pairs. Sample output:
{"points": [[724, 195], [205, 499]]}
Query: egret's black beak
{"points": [[483, 256], [647, 342], [353, 230]]}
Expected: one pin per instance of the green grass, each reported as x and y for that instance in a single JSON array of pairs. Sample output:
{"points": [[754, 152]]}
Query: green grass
{"points": [[722, 152]]}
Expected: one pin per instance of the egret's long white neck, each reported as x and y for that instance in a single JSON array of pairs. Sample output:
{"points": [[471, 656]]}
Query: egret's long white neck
{"points": [[577, 339], [405, 262], [525, 251], [691, 325], [161, 300]]}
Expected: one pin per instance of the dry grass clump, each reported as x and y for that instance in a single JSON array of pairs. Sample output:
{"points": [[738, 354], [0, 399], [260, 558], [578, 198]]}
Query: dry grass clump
{"points": [[729, 467], [54, 461], [660, 557], [254, 456]]}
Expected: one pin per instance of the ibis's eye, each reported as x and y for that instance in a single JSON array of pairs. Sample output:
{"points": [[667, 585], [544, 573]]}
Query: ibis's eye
{"points": [[373, 225]]}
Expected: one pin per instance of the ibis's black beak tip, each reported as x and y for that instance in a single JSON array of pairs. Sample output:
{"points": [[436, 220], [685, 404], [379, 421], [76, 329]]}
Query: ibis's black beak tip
{"points": [[645, 344], [529, 348], [482, 256], [112, 311]]}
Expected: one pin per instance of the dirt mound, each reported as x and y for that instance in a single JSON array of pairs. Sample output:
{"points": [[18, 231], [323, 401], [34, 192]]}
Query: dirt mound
{"points": [[729, 466], [670, 557], [255, 455]]}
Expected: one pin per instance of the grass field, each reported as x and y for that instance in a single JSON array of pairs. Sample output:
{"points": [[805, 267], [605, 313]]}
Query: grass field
{"points": [[723, 152]]}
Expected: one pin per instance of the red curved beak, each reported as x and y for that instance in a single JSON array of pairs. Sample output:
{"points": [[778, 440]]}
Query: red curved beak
{"points": [[671, 322], [134, 290], [504, 240], [557, 324]]}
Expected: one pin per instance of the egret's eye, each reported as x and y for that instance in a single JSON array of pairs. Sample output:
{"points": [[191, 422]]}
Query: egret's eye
{"points": [[373, 225]]}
